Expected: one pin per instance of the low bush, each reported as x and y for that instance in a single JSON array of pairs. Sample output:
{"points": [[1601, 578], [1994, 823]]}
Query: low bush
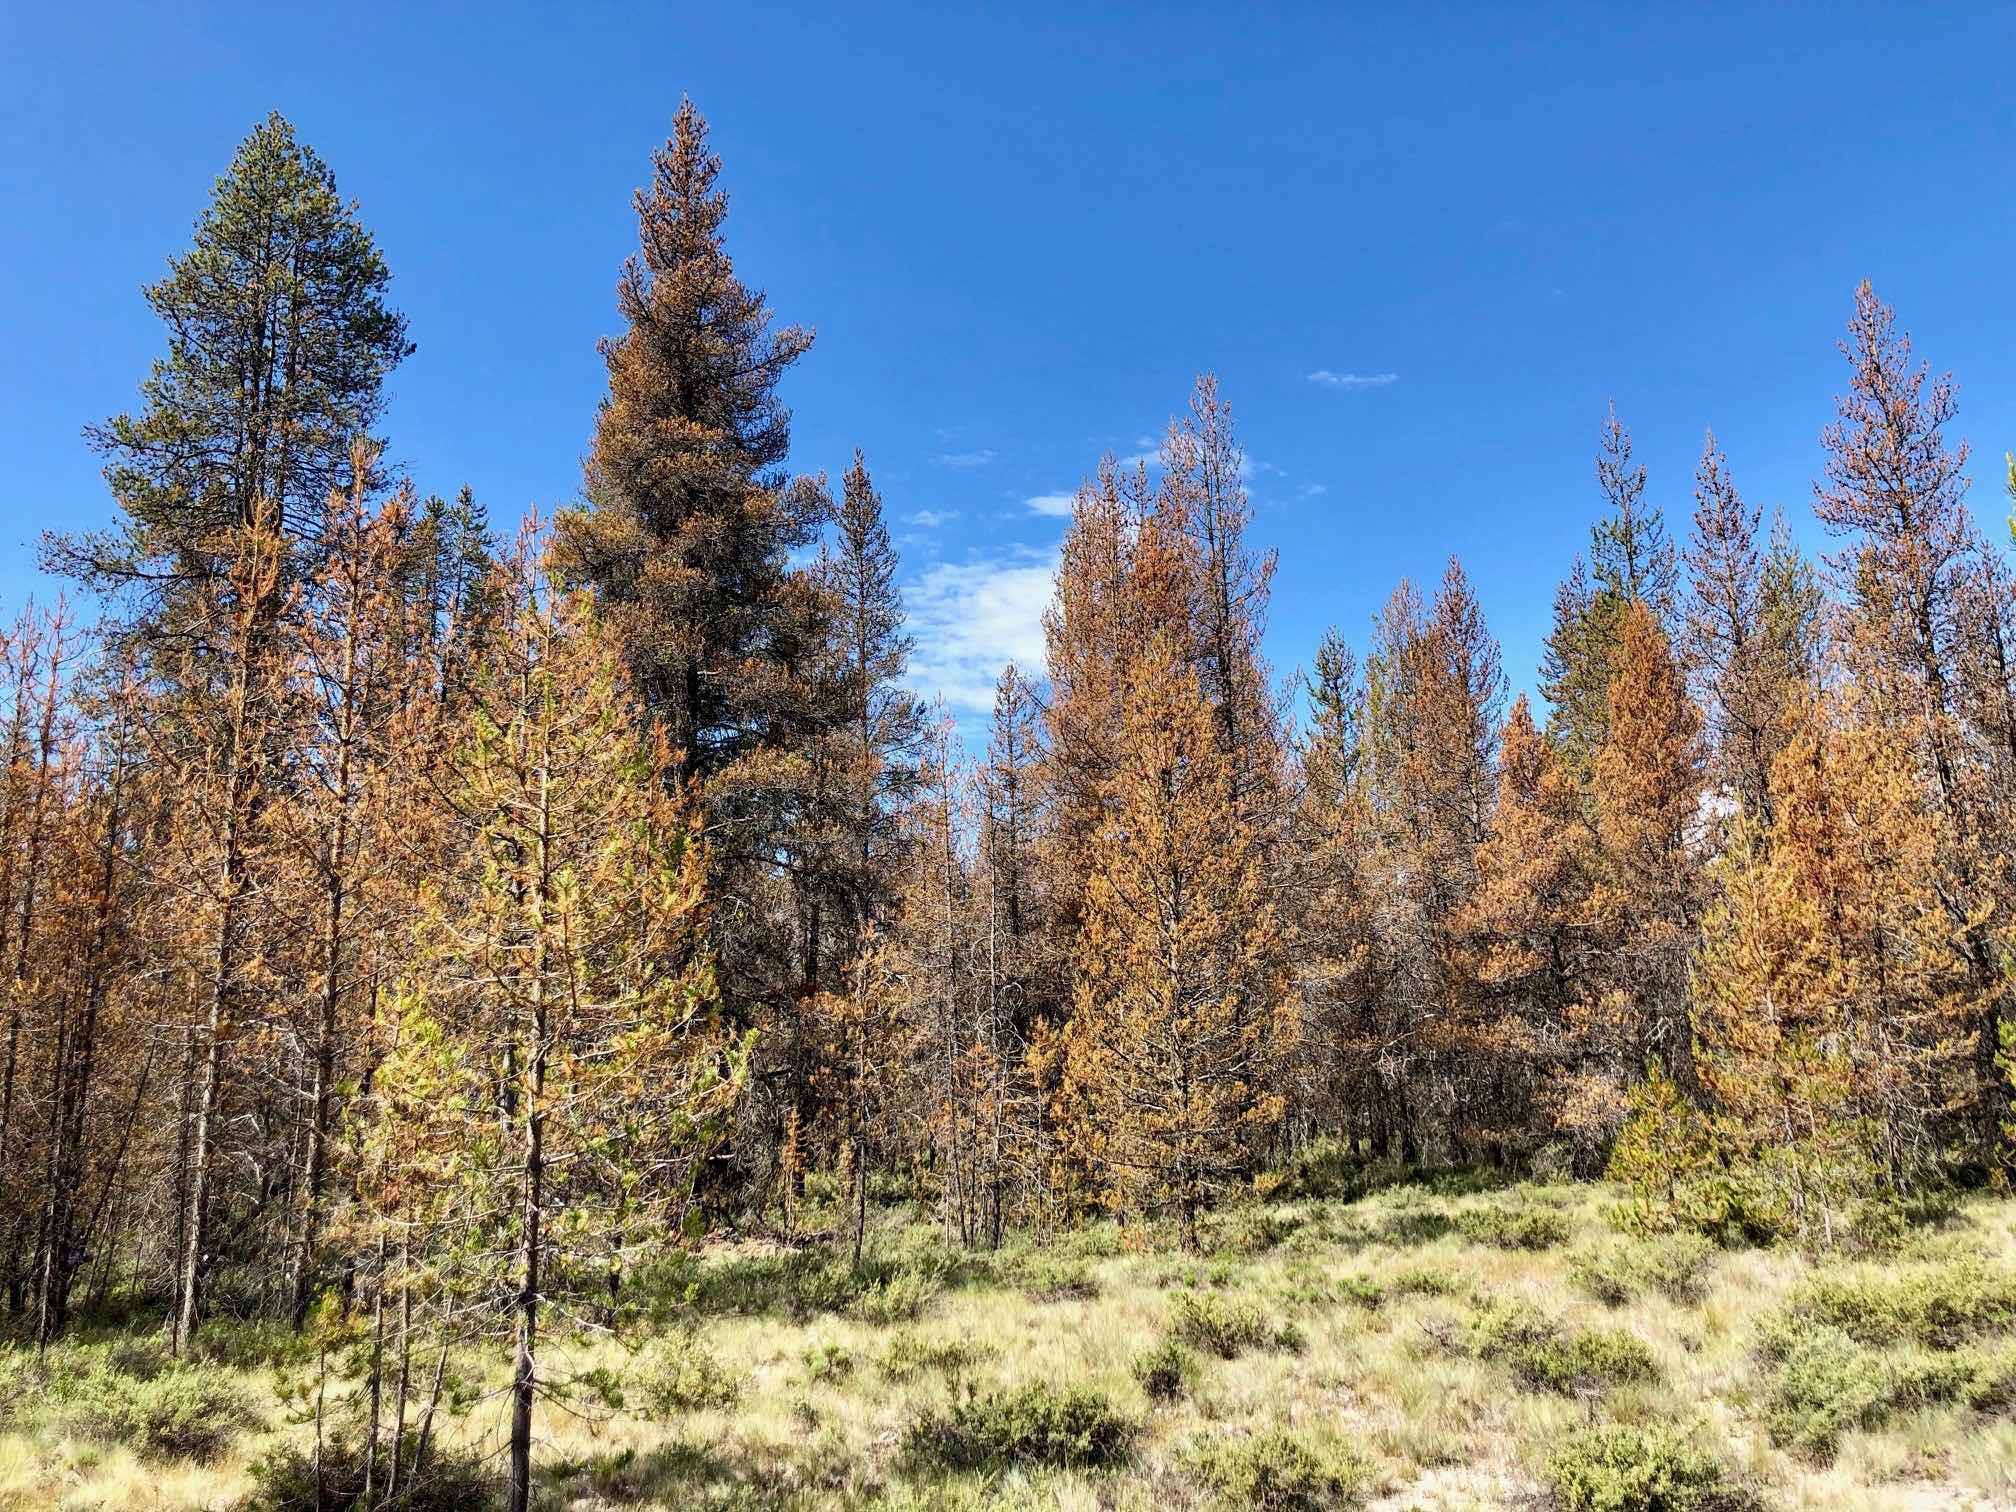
{"points": [[1940, 1305], [1413, 1226], [1549, 1357], [1253, 1230], [1033, 1425], [901, 1297], [1513, 1226], [1279, 1471], [1675, 1265], [827, 1361], [910, 1353], [1651, 1469], [1165, 1370], [289, 1479], [1332, 1169], [183, 1412], [1826, 1382], [1228, 1326], [1825, 1385], [1425, 1281], [1053, 1279], [681, 1374]]}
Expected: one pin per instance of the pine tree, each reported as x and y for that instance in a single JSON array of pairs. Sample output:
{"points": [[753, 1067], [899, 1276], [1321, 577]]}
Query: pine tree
{"points": [[280, 342], [1631, 560], [1895, 487], [849, 838], [1646, 901], [565, 1008], [1181, 1020], [691, 524], [1525, 932]]}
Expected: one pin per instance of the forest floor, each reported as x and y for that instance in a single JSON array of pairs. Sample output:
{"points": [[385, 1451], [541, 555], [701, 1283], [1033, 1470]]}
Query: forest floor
{"points": [[1423, 1347]]}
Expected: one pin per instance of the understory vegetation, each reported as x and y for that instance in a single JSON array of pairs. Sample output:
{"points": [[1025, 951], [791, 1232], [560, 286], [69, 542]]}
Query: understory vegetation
{"points": [[1334, 1351]]}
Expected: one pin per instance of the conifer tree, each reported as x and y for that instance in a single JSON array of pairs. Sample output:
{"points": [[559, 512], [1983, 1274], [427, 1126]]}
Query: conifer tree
{"points": [[1631, 560], [280, 342], [1895, 487], [1525, 932], [1181, 1020], [691, 523], [868, 762], [1646, 901], [565, 1010]]}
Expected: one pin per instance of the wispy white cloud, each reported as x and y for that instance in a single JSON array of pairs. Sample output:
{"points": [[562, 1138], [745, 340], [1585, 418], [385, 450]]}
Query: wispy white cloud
{"points": [[1055, 505], [970, 619], [1352, 380], [1146, 450], [1312, 490], [980, 456], [931, 519]]}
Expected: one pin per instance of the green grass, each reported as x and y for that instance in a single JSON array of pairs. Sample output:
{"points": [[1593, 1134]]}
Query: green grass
{"points": [[1366, 1338]]}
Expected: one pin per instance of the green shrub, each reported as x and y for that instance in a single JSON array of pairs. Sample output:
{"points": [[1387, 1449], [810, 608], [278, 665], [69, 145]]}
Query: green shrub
{"points": [[910, 1353], [681, 1374], [250, 1344], [1425, 1281], [1827, 1383], [1227, 1326], [827, 1361], [1516, 1226], [1412, 1226], [901, 1297], [288, 1479], [1165, 1371], [1253, 1230], [1825, 1386], [1675, 1265], [1053, 1279], [1652, 1469], [1361, 1291], [1037, 1424], [1940, 1305], [188, 1412], [1279, 1471], [1548, 1357]]}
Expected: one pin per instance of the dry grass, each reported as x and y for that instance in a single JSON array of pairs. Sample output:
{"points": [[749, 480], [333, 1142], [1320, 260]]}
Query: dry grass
{"points": [[1382, 1370]]}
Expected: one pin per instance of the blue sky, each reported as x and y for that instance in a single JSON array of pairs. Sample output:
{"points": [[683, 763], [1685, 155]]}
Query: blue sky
{"points": [[1021, 230]]}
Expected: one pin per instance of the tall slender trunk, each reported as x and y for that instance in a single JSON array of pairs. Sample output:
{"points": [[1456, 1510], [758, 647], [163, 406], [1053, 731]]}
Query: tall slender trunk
{"points": [[532, 1114]]}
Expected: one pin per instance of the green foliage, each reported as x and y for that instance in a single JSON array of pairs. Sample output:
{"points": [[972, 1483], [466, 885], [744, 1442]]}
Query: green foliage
{"points": [[288, 1479], [1674, 1265], [251, 1344], [1279, 1471], [1414, 1226], [1426, 1281], [805, 1284], [1549, 1357], [1252, 1229], [1854, 1350], [1940, 1305], [828, 1361], [902, 1297], [681, 1374], [1513, 1226], [911, 1353], [1032, 1425], [1331, 1169], [1165, 1370], [188, 1412], [1055, 1279], [1650, 1469], [1825, 1385], [1228, 1326]]}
